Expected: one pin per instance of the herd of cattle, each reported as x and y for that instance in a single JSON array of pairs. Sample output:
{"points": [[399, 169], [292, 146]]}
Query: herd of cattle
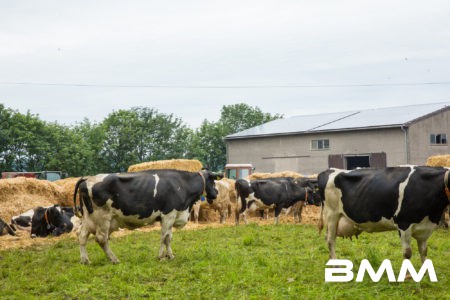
{"points": [[409, 199]]}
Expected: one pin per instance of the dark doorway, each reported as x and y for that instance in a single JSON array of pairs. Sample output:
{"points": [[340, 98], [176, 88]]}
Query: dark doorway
{"points": [[354, 162]]}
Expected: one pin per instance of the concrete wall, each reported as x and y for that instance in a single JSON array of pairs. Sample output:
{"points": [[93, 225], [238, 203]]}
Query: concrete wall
{"points": [[274, 154], [419, 137]]}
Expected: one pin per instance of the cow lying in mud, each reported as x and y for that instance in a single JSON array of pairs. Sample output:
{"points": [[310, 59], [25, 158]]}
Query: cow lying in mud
{"points": [[130, 200]]}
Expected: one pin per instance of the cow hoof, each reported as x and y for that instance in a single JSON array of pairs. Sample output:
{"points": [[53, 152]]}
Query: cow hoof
{"points": [[115, 261], [168, 257], [84, 261]]}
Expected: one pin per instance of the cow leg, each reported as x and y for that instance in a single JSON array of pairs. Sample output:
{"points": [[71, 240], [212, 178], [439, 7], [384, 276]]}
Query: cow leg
{"points": [[237, 212], [422, 246], [223, 216], [261, 214], [196, 211], [405, 237], [167, 222], [298, 208], [332, 224], [238, 215], [277, 214], [102, 236], [83, 235], [422, 238]]}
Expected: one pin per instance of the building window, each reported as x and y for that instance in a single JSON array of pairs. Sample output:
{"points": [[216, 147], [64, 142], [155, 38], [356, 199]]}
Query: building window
{"points": [[438, 139], [320, 144]]}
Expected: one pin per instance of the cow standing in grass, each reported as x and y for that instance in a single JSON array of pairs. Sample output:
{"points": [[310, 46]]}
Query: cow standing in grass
{"points": [[409, 199], [130, 200]]}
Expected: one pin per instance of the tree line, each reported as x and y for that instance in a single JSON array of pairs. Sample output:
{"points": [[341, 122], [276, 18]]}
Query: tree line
{"points": [[123, 138]]}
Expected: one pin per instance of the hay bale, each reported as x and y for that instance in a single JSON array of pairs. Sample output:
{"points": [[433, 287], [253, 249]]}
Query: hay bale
{"points": [[257, 175], [21, 194], [190, 165], [439, 161], [67, 188]]}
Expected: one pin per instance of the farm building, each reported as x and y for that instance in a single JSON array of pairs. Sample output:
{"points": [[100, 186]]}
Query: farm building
{"points": [[361, 138]]}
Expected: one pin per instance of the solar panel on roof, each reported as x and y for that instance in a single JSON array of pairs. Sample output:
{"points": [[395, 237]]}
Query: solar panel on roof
{"points": [[369, 118]]}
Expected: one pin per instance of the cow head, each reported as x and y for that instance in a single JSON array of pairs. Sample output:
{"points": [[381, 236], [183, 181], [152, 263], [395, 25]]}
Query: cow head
{"points": [[210, 188], [49, 221], [312, 189], [314, 196]]}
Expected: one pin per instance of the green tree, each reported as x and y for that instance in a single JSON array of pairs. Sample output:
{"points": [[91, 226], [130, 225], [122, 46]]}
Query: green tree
{"points": [[68, 151], [141, 134], [22, 147], [209, 146], [241, 116], [92, 136]]}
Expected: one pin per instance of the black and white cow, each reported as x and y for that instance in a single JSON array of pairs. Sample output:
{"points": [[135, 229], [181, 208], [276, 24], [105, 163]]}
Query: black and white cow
{"points": [[5, 228], [409, 199], [278, 193], [23, 221], [131, 200], [50, 221]]}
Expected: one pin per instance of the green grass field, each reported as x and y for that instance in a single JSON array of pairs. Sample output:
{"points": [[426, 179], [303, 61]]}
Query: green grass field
{"points": [[246, 262]]}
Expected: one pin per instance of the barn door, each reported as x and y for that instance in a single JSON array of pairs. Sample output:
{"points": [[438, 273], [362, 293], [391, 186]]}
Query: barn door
{"points": [[336, 161], [378, 160]]}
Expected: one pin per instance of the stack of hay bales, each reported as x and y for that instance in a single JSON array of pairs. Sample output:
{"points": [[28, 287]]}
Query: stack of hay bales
{"points": [[21, 194], [190, 165], [439, 161], [67, 188]]}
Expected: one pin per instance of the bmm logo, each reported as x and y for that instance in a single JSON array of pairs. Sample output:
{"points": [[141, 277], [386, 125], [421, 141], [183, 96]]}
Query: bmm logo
{"points": [[346, 273]]}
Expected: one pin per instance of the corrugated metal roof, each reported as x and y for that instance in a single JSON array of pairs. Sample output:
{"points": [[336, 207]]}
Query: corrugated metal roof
{"points": [[341, 121]]}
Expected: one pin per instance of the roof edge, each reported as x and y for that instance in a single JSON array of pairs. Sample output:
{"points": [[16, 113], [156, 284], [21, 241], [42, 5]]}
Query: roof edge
{"points": [[227, 138]]}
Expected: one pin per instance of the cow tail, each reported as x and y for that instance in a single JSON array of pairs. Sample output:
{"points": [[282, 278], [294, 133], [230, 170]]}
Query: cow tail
{"points": [[320, 223], [78, 212], [243, 202]]}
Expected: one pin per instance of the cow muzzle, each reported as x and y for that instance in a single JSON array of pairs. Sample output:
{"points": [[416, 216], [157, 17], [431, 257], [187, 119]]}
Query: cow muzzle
{"points": [[212, 196]]}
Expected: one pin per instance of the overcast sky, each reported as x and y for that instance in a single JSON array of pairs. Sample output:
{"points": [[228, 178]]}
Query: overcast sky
{"points": [[67, 60]]}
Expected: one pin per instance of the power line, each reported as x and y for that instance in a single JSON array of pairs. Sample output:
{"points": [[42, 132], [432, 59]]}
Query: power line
{"points": [[263, 86]]}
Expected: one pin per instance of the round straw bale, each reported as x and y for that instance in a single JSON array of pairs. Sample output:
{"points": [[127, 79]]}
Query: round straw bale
{"points": [[190, 165], [439, 161]]}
